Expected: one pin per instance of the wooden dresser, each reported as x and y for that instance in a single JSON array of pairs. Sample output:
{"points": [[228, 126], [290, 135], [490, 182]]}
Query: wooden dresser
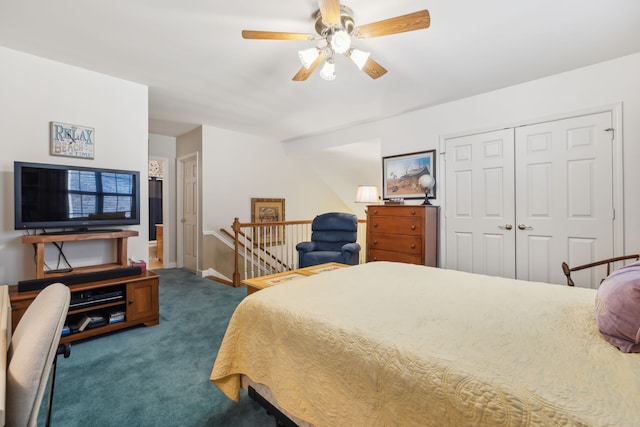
{"points": [[403, 233]]}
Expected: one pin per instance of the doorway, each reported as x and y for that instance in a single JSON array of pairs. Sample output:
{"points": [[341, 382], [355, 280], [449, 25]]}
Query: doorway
{"points": [[158, 204]]}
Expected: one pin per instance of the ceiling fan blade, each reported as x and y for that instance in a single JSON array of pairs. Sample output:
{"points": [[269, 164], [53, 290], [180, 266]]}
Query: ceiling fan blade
{"points": [[373, 69], [304, 73], [330, 11], [271, 35], [400, 24]]}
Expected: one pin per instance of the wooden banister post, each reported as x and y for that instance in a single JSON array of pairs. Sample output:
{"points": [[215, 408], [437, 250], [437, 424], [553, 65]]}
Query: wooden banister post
{"points": [[236, 232]]}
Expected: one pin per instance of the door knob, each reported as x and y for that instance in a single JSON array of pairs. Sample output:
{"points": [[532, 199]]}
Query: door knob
{"points": [[505, 227], [524, 227]]}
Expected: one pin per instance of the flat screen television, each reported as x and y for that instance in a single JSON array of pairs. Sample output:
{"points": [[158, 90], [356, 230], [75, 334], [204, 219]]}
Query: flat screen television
{"points": [[74, 198]]}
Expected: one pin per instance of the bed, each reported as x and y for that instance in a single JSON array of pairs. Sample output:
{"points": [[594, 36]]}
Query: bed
{"points": [[384, 344]]}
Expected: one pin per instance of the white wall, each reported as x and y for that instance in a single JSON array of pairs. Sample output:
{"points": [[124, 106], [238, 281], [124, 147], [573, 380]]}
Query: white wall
{"points": [[35, 91], [237, 167], [345, 167], [599, 85]]}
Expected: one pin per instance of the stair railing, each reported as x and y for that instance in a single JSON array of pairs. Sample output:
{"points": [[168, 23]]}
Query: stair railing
{"points": [[265, 248]]}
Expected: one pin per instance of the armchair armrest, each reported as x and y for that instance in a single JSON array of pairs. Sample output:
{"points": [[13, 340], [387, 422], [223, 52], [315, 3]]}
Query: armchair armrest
{"points": [[306, 247], [351, 247]]}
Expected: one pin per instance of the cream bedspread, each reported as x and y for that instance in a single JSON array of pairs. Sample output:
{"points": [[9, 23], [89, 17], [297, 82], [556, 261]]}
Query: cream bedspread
{"points": [[385, 344]]}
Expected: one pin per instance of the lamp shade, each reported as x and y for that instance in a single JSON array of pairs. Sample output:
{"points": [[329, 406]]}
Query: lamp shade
{"points": [[359, 57], [367, 194], [308, 56], [328, 71], [340, 41]]}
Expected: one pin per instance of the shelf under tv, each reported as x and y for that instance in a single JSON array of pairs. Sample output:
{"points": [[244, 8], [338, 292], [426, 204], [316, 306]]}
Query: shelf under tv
{"points": [[120, 237]]}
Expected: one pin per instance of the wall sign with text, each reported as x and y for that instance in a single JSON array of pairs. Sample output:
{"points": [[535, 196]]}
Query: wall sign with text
{"points": [[72, 140]]}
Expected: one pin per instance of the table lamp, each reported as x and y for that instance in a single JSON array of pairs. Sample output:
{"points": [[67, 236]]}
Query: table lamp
{"points": [[367, 194]]}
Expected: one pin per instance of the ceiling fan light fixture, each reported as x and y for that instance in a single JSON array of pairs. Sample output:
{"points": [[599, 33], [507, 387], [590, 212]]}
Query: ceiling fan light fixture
{"points": [[328, 71], [308, 56], [359, 57], [340, 41]]}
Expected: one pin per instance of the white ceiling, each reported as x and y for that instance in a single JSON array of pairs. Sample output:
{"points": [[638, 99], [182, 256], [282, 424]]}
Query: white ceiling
{"points": [[200, 71]]}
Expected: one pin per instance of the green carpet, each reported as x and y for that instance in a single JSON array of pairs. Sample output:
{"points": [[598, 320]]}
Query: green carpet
{"points": [[159, 375]]}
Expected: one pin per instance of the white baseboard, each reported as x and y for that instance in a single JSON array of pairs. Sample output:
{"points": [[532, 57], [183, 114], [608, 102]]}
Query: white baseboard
{"points": [[214, 273]]}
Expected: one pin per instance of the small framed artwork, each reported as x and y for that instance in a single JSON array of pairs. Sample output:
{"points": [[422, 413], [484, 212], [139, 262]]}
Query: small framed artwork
{"points": [[401, 175], [71, 140], [268, 211]]}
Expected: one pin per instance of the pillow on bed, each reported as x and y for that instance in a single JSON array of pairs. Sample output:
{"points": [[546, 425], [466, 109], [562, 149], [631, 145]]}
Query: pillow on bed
{"points": [[618, 308]]}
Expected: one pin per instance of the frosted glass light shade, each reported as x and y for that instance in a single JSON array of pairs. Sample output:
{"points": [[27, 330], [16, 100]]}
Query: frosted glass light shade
{"points": [[340, 41], [359, 57], [367, 194], [308, 56], [328, 71]]}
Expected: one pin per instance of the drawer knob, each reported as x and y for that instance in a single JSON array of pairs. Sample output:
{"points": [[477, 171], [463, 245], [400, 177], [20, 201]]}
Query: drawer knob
{"points": [[413, 212], [375, 242], [130, 301], [413, 246], [413, 227], [375, 212], [375, 225]]}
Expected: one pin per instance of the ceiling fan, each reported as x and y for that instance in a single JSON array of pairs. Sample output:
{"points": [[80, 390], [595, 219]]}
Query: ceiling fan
{"points": [[335, 27]]}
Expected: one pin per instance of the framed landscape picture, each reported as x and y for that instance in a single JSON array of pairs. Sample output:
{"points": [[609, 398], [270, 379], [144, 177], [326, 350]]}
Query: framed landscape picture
{"points": [[401, 175], [268, 211]]}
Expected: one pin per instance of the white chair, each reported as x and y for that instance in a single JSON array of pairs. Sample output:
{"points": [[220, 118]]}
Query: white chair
{"points": [[33, 349]]}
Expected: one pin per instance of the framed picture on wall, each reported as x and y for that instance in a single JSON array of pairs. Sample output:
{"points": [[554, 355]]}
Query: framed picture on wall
{"points": [[268, 212], [401, 175], [71, 140]]}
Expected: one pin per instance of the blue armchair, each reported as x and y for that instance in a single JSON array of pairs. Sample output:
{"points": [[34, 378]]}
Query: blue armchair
{"points": [[333, 239]]}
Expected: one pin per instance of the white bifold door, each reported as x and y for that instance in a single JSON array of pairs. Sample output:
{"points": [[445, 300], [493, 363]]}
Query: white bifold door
{"points": [[521, 201]]}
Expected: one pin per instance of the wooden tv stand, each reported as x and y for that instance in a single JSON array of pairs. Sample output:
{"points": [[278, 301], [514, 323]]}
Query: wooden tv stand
{"points": [[137, 296], [120, 238], [140, 301]]}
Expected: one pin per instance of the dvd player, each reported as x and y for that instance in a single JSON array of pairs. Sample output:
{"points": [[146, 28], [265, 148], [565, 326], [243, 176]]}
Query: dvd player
{"points": [[83, 299]]}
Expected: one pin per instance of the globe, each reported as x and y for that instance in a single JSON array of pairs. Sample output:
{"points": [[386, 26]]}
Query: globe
{"points": [[426, 181]]}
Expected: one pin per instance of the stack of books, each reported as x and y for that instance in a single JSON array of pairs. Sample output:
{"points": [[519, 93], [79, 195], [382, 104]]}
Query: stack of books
{"points": [[88, 321], [116, 316]]}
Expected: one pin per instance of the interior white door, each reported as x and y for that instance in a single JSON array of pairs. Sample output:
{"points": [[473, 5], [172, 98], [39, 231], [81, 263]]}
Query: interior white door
{"points": [[189, 218], [521, 201], [564, 196], [480, 234]]}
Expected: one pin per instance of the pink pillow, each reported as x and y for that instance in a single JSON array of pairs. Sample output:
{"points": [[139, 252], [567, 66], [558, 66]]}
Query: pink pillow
{"points": [[618, 308]]}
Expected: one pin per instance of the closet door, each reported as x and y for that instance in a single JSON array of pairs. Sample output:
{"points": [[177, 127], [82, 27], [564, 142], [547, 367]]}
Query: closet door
{"points": [[479, 186], [521, 201], [564, 203]]}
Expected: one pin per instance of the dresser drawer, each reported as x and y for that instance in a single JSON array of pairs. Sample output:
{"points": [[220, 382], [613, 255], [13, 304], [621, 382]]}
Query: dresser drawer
{"points": [[397, 225], [395, 211], [396, 243], [378, 255]]}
